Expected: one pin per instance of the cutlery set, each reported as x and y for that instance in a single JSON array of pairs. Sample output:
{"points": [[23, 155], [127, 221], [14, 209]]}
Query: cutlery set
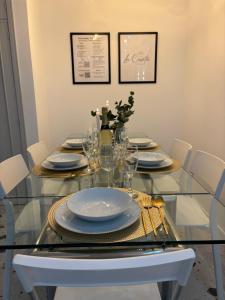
{"points": [[147, 203]]}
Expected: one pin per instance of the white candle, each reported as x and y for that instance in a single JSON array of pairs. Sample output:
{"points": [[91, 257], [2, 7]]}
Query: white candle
{"points": [[98, 123], [107, 104]]}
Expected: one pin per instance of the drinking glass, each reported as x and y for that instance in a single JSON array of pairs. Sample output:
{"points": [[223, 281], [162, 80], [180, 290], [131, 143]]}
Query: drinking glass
{"points": [[131, 162], [87, 146], [120, 136], [106, 160]]}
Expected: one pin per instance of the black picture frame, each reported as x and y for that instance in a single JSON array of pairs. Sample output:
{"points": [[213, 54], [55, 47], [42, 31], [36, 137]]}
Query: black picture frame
{"points": [[137, 57], [99, 68]]}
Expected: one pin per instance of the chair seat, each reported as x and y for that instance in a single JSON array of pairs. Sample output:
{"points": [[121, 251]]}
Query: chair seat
{"points": [[166, 184], [147, 291], [189, 212], [29, 218], [51, 187]]}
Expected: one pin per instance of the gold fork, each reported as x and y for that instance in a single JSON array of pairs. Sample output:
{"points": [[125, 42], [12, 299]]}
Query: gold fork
{"points": [[147, 204], [159, 203]]}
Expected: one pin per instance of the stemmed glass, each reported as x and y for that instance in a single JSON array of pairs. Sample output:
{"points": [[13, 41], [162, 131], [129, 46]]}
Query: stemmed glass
{"points": [[131, 162], [87, 146], [106, 160]]}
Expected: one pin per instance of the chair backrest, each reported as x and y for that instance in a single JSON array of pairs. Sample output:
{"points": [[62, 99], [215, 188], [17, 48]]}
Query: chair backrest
{"points": [[44, 271], [12, 171], [37, 153], [209, 170], [181, 151]]}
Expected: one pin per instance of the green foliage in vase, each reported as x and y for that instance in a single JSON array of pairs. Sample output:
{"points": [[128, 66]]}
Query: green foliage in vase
{"points": [[123, 112]]}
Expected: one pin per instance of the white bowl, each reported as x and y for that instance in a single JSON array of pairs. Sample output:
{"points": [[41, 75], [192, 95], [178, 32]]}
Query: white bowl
{"points": [[74, 142], [98, 204], [64, 159], [151, 158], [140, 141]]}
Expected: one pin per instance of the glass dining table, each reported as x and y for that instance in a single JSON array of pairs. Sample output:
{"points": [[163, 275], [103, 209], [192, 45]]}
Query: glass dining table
{"points": [[192, 216], [175, 211]]}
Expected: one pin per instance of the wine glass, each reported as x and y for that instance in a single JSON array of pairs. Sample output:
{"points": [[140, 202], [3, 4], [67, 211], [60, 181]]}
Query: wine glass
{"points": [[131, 162], [87, 146]]}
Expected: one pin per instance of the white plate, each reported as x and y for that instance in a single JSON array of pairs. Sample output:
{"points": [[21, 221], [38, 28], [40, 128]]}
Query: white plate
{"points": [[166, 163], [151, 145], [150, 158], [74, 142], [64, 159], [47, 165], [99, 203], [140, 141], [66, 219]]}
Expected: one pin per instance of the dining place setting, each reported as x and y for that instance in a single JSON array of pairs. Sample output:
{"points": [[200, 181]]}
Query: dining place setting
{"points": [[102, 214], [142, 142]]}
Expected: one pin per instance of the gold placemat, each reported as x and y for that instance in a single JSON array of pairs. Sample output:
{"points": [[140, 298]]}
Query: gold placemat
{"points": [[65, 150], [176, 165], [154, 148], [134, 231], [38, 170]]}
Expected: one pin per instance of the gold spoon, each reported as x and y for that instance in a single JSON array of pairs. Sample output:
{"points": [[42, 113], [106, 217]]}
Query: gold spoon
{"points": [[159, 203], [147, 204]]}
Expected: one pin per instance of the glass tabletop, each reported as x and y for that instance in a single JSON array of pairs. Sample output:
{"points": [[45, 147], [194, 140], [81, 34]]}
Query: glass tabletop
{"points": [[178, 182], [189, 219], [191, 214]]}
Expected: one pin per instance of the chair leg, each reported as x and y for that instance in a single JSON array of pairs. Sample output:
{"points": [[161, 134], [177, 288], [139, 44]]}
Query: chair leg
{"points": [[177, 293], [50, 291], [10, 232], [167, 288], [218, 271], [7, 274], [33, 295]]}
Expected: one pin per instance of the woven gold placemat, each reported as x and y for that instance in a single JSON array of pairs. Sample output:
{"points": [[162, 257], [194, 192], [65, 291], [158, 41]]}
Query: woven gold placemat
{"points": [[176, 165], [134, 231], [38, 170], [65, 150], [154, 148]]}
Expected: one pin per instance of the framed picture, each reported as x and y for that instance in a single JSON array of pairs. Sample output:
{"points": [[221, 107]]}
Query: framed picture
{"points": [[137, 57], [90, 54]]}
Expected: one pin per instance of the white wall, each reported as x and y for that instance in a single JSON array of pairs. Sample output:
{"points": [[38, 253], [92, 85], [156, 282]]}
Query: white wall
{"points": [[188, 99], [62, 107], [204, 120]]}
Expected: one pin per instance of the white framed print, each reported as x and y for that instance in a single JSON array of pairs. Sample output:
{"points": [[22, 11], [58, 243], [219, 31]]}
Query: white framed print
{"points": [[90, 55], [137, 57]]}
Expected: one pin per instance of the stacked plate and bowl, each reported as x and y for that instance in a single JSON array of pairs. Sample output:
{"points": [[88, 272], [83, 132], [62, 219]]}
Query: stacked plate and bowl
{"points": [[153, 160], [73, 143], [97, 211], [64, 161], [142, 143]]}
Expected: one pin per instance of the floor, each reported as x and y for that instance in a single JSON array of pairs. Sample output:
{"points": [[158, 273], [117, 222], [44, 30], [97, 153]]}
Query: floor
{"points": [[200, 286]]}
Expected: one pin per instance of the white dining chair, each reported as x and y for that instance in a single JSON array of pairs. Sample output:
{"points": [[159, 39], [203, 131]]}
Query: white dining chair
{"points": [[67, 274], [37, 153], [181, 151], [209, 171], [12, 172]]}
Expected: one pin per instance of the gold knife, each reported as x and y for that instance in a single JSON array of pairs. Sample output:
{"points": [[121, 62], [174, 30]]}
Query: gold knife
{"points": [[143, 219]]}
